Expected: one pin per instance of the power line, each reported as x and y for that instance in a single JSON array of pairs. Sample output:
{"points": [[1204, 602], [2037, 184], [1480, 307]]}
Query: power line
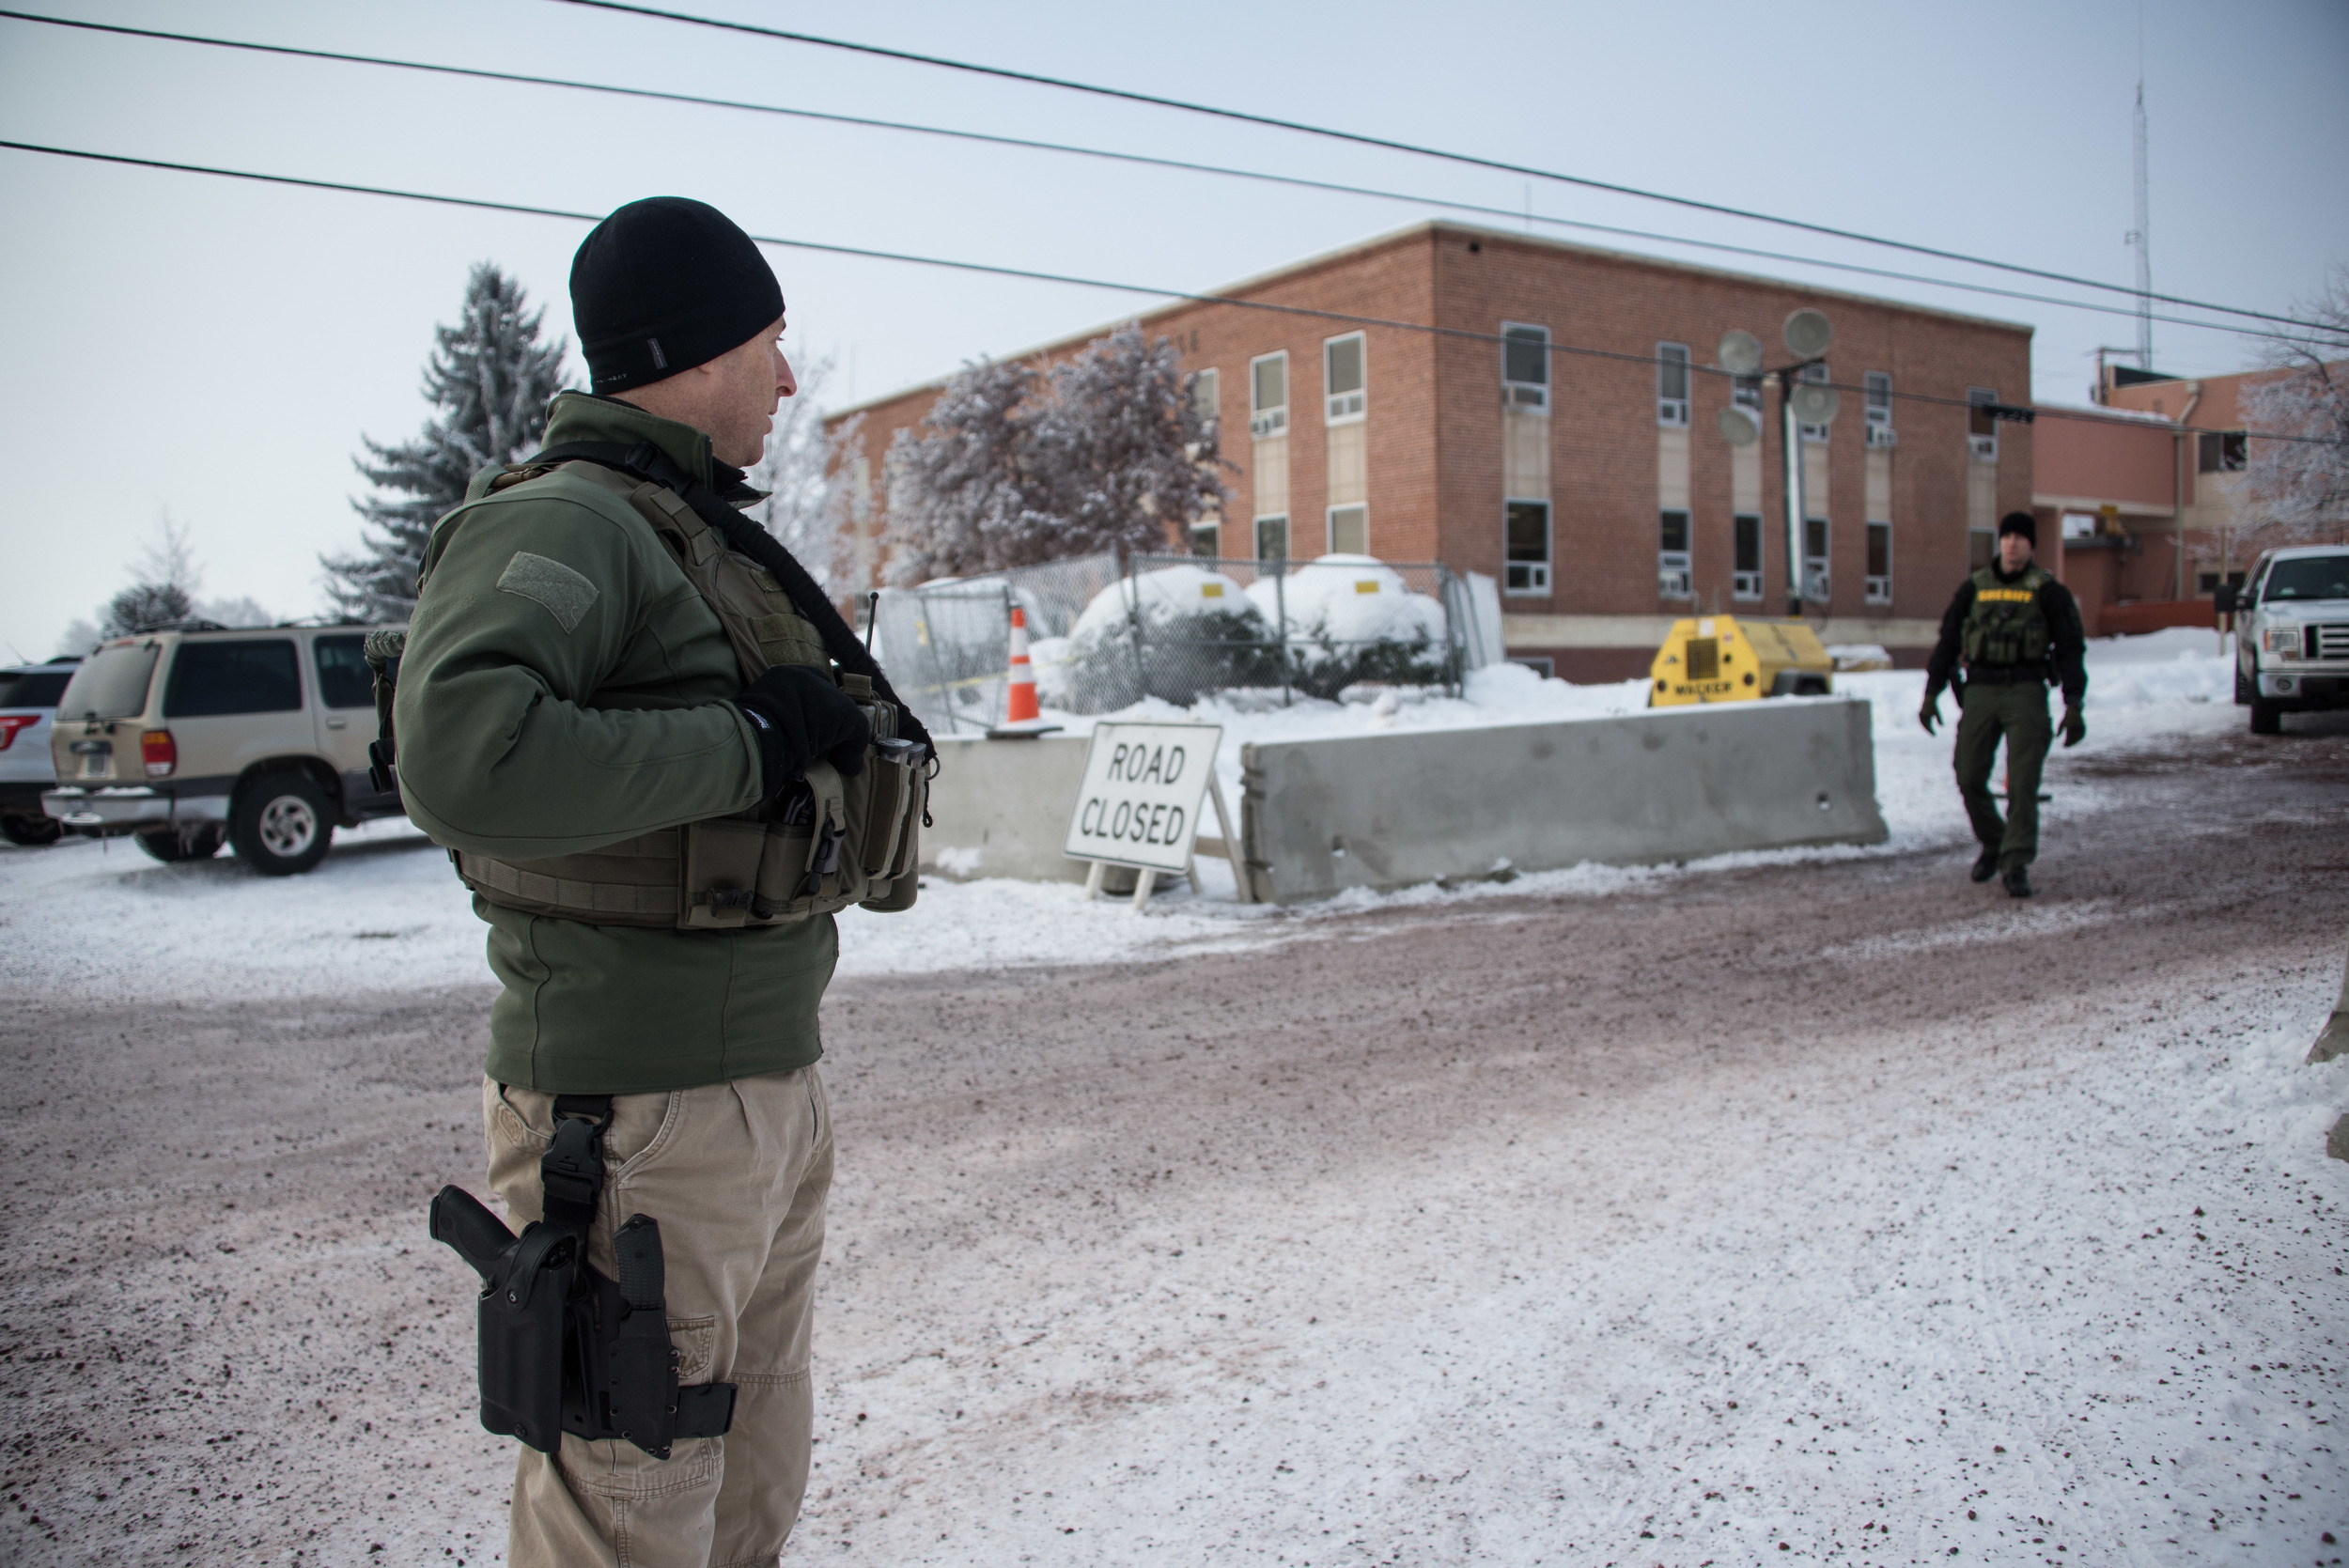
{"points": [[1143, 159], [1362, 140], [993, 270]]}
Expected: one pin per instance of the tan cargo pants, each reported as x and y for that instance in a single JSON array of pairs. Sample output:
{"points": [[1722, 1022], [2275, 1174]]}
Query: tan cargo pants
{"points": [[736, 1174]]}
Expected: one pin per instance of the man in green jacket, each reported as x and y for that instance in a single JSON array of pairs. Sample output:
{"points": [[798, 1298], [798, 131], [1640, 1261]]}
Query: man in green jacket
{"points": [[566, 689], [2018, 631]]}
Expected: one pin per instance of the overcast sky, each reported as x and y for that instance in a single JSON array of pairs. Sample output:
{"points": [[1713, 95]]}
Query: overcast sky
{"points": [[217, 348]]}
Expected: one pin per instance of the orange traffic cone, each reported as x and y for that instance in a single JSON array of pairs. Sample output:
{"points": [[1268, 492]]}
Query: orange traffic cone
{"points": [[1020, 707]]}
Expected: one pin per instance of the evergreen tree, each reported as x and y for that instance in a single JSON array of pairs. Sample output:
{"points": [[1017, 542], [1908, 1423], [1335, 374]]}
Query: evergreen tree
{"points": [[489, 381], [1106, 452]]}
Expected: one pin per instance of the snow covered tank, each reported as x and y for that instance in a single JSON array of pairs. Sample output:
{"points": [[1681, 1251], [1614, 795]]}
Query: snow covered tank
{"points": [[1199, 633], [1353, 618]]}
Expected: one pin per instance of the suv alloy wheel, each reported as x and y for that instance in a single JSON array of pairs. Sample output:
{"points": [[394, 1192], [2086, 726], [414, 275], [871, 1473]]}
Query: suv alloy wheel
{"points": [[280, 825]]}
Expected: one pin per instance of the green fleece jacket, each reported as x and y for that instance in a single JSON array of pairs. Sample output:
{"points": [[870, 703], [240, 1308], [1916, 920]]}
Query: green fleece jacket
{"points": [[565, 688]]}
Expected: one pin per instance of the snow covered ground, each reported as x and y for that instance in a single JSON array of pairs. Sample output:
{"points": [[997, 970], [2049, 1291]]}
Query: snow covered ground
{"points": [[1427, 1229], [385, 910]]}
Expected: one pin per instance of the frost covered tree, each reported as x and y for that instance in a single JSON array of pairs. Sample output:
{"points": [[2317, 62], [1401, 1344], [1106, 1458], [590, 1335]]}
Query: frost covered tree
{"points": [[489, 381], [803, 471], [1105, 451], [962, 486], [164, 582], [2296, 492], [1121, 449]]}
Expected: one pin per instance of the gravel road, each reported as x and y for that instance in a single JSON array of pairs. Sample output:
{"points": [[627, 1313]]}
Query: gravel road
{"points": [[1840, 1205]]}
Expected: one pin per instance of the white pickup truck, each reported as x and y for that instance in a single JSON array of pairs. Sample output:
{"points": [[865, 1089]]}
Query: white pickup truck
{"points": [[2291, 633]]}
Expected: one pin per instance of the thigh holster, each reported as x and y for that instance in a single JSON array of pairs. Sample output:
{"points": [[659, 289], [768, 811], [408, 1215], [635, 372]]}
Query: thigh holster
{"points": [[563, 1348]]}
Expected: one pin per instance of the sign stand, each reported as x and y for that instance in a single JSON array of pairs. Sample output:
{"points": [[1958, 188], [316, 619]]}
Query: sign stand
{"points": [[1140, 803], [1146, 877]]}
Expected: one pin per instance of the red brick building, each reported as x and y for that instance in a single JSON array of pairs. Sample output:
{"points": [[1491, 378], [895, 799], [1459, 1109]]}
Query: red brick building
{"points": [[1558, 432], [2144, 494]]}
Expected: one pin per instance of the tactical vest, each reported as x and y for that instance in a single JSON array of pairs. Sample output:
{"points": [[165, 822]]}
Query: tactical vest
{"points": [[822, 845], [2006, 625]]}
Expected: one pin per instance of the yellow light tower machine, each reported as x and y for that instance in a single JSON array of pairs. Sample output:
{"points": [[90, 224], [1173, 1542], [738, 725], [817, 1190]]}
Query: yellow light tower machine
{"points": [[1723, 658]]}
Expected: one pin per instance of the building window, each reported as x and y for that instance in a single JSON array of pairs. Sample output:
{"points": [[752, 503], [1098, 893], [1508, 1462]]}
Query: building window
{"points": [[1528, 541], [1746, 392], [1671, 555], [1982, 440], [2206, 582], [1272, 538], [1206, 541], [1816, 371], [2223, 451], [1343, 379], [1815, 584], [1982, 547], [1204, 388], [1350, 530], [1879, 408], [1540, 663], [1672, 383], [1746, 581], [1524, 366], [1269, 395], [1879, 563]]}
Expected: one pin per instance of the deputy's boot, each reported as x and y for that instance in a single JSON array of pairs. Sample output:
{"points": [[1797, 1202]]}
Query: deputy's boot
{"points": [[2018, 882], [1985, 865]]}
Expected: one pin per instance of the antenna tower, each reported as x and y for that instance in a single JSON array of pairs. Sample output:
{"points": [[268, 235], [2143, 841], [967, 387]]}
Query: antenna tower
{"points": [[2141, 237]]}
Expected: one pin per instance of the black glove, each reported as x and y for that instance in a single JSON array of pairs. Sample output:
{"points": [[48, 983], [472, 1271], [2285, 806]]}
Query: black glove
{"points": [[1930, 714], [802, 717], [2074, 727]]}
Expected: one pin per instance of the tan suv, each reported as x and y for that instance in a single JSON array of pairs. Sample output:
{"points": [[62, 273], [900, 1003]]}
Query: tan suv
{"points": [[196, 735]]}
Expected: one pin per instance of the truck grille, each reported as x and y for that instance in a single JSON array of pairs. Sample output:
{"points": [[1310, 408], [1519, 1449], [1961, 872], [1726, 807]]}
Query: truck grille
{"points": [[2329, 641]]}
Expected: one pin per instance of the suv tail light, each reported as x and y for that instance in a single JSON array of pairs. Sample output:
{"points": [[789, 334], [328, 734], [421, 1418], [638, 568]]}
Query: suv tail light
{"points": [[160, 752], [11, 722]]}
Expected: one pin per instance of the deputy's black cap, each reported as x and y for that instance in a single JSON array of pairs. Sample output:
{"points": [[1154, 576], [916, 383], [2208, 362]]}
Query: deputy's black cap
{"points": [[2019, 522], [663, 285]]}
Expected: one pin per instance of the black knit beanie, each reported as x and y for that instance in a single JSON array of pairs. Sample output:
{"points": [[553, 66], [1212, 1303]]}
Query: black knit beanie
{"points": [[663, 285], [2019, 522]]}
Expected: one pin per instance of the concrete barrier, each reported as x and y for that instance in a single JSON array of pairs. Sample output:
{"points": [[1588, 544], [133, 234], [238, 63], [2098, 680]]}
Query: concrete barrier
{"points": [[1000, 808], [1392, 810]]}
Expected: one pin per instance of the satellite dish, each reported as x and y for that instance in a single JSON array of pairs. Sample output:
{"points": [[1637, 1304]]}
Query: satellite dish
{"points": [[1815, 404], [1740, 353], [1738, 424], [1808, 334]]}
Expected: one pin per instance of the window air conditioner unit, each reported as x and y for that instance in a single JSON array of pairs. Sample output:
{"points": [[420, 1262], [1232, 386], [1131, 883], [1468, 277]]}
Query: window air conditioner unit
{"points": [[1745, 584], [1881, 435], [1984, 447], [1671, 410], [1271, 423], [1517, 395]]}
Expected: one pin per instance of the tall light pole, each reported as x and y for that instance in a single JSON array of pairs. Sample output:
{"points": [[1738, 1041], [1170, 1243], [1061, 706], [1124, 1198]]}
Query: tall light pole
{"points": [[1808, 335]]}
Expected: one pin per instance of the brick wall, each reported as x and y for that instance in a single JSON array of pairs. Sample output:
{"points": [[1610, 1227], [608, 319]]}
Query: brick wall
{"points": [[1435, 414]]}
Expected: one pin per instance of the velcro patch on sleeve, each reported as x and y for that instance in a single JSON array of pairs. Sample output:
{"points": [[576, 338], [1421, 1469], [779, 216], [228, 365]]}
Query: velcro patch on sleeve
{"points": [[564, 593]]}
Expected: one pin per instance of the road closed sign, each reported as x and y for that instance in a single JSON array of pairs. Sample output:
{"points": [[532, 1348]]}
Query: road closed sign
{"points": [[1140, 803]]}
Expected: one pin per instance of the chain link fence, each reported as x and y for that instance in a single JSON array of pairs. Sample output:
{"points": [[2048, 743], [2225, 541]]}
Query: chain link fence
{"points": [[1179, 628]]}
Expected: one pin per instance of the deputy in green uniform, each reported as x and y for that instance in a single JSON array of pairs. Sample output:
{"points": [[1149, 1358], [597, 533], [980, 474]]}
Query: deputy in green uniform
{"points": [[2017, 631], [578, 721]]}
